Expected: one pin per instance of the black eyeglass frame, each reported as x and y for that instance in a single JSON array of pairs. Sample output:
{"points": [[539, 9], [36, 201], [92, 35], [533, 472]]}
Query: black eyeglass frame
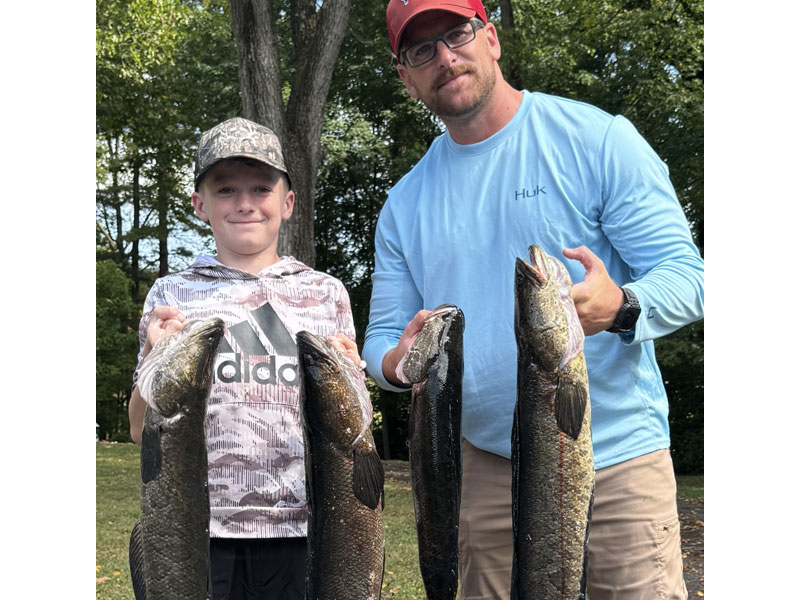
{"points": [[474, 23]]}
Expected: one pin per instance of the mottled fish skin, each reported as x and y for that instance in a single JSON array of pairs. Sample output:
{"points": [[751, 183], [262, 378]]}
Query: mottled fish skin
{"points": [[344, 477], [434, 364], [171, 542], [551, 447]]}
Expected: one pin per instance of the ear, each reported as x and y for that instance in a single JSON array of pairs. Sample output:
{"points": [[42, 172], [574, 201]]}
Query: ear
{"points": [[492, 40], [405, 75], [199, 208], [288, 205]]}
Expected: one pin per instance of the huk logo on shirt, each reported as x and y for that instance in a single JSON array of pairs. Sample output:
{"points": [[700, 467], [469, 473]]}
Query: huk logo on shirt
{"points": [[278, 367], [526, 193]]}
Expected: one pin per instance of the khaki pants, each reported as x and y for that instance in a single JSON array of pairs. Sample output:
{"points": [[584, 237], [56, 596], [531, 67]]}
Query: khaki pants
{"points": [[634, 538]]}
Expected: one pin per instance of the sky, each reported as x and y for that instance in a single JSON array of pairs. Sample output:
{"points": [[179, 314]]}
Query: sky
{"points": [[751, 200]]}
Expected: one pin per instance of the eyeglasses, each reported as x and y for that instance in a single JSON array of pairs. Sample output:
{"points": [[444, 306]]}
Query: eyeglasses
{"points": [[423, 52]]}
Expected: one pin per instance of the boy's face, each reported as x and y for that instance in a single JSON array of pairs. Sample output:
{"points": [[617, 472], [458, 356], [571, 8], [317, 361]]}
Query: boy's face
{"points": [[245, 206]]}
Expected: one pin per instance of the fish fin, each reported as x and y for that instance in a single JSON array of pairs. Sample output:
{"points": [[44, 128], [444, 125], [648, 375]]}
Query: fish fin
{"points": [[368, 477], [151, 453], [570, 404], [136, 561]]}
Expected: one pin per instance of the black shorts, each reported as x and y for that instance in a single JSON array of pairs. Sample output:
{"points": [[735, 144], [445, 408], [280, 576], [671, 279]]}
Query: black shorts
{"points": [[258, 569]]}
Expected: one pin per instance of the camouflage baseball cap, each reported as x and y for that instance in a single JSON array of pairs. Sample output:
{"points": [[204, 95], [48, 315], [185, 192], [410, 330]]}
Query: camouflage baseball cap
{"points": [[242, 138]]}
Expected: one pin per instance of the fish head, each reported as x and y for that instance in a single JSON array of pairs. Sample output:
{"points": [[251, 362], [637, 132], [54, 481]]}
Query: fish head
{"points": [[335, 401], [545, 318], [442, 327], [179, 367]]}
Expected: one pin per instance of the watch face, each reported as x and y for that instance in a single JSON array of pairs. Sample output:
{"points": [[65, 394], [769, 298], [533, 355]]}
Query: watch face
{"points": [[628, 320]]}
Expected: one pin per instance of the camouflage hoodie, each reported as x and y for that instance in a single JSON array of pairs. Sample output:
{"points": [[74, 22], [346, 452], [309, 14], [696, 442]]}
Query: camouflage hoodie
{"points": [[254, 435]]}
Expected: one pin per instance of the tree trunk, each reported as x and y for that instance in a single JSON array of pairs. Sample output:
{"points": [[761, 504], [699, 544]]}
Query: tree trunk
{"points": [[162, 229], [137, 203], [316, 38]]}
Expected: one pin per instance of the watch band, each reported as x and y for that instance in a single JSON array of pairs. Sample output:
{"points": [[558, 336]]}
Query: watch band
{"points": [[628, 313]]}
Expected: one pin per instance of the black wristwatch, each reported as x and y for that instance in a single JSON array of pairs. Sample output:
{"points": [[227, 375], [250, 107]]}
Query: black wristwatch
{"points": [[628, 313]]}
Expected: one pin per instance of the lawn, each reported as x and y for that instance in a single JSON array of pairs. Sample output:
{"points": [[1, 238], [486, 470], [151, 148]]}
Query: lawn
{"points": [[117, 507]]}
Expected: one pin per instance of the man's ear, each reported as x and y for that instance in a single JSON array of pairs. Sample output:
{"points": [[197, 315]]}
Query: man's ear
{"points": [[406, 77], [493, 41], [199, 208]]}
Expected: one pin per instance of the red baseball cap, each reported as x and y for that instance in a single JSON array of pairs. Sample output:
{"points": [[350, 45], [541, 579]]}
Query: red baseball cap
{"points": [[400, 12]]}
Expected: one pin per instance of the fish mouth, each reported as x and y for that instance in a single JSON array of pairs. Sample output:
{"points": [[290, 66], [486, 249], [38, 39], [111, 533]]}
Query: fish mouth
{"points": [[211, 328], [442, 311], [531, 272], [317, 349]]}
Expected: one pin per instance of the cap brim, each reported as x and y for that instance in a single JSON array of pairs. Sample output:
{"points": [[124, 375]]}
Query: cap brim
{"points": [[242, 155]]}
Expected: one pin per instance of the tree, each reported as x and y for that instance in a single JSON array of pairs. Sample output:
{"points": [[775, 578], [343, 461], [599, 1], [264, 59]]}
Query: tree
{"points": [[116, 346], [316, 32], [166, 69]]}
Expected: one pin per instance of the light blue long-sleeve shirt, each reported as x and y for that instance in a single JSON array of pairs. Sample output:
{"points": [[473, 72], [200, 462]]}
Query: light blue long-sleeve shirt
{"points": [[560, 174]]}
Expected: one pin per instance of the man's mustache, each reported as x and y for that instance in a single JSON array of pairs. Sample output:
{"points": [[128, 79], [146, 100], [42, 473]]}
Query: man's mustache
{"points": [[451, 73]]}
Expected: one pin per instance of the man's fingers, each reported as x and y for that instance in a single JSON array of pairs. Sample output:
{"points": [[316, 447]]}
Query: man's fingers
{"points": [[416, 324], [588, 259]]}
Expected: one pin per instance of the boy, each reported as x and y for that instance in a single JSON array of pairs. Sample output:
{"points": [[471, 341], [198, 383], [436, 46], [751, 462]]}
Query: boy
{"points": [[254, 435]]}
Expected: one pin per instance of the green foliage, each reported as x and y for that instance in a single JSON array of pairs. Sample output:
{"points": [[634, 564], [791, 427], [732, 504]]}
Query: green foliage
{"points": [[116, 346], [165, 71], [680, 358]]}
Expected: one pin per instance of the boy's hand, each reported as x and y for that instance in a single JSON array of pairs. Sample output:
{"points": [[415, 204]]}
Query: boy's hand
{"points": [[164, 321], [344, 344]]}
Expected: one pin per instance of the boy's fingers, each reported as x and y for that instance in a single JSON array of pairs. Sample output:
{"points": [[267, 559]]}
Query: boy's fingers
{"points": [[165, 313], [171, 326]]}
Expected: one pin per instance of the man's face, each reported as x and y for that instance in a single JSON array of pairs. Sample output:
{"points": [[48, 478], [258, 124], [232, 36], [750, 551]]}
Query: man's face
{"points": [[456, 84]]}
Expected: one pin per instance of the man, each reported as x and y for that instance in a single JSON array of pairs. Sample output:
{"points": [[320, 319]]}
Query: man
{"points": [[516, 168]]}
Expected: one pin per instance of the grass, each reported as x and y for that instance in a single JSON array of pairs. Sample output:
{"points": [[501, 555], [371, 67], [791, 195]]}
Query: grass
{"points": [[690, 487], [117, 508]]}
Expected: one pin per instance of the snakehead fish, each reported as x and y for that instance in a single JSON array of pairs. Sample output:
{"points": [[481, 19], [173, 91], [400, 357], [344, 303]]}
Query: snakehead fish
{"points": [[551, 445], [344, 476], [434, 364], [169, 545]]}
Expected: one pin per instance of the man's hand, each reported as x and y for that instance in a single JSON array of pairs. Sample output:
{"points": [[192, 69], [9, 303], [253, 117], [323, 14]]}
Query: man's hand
{"points": [[597, 298], [164, 321], [392, 358]]}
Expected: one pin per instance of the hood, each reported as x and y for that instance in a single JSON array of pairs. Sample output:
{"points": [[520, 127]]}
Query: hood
{"points": [[209, 266]]}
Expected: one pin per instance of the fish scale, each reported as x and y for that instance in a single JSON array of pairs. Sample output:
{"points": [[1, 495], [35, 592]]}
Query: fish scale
{"points": [[434, 364], [169, 547], [344, 477], [551, 448]]}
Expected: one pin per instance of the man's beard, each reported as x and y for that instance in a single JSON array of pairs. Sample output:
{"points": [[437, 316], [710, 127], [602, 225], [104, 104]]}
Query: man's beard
{"points": [[445, 108]]}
